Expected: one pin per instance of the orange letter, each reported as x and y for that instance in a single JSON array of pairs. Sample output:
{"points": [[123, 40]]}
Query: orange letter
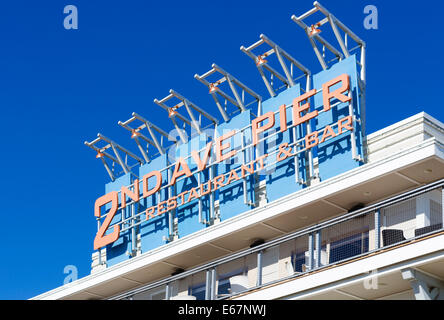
{"points": [[133, 195], [232, 177], [298, 108], [182, 197], [146, 192], [178, 173], [327, 95], [283, 117], [202, 164], [202, 192], [260, 160], [311, 140], [220, 147], [101, 240], [257, 121], [345, 123], [219, 181], [150, 213], [326, 134], [172, 203], [161, 208], [248, 167], [193, 194]]}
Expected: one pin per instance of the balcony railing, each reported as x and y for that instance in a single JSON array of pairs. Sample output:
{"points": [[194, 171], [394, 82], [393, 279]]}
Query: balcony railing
{"points": [[388, 223]]}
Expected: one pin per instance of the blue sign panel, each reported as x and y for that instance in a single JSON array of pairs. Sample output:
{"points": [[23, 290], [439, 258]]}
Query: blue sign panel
{"points": [[282, 178], [117, 251], [336, 155], [154, 231], [187, 215], [185, 204], [236, 197]]}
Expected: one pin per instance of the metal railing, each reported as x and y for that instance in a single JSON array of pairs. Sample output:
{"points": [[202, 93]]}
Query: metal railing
{"points": [[388, 223]]}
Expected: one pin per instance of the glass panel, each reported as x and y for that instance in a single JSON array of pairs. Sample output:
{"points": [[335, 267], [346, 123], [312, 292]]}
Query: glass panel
{"points": [[346, 239]]}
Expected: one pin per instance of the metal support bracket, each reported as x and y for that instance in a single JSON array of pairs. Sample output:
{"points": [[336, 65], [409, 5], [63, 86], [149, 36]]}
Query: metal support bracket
{"points": [[116, 159], [173, 113], [236, 98], [424, 287], [283, 59]]}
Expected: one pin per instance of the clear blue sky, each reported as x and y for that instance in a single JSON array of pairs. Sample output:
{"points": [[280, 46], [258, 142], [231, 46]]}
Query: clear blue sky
{"points": [[60, 87]]}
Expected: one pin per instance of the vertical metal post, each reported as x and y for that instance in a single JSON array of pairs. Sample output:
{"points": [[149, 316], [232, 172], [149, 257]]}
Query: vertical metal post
{"points": [[259, 268], [213, 284], [296, 156], [310, 151], [100, 249], [167, 291], [170, 212], [100, 256], [211, 174], [244, 182], [199, 202], [208, 285], [310, 251], [318, 249], [355, 154], [377, 229], [442, 207], [133, 229]]}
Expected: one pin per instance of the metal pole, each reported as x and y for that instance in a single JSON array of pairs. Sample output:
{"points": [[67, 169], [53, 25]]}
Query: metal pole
{"points": [[338, 36], [442, 207], [108, 169], [259, 268], [236, 95], [199, 202], [213, 284], [310, 152], [355, 154], [310, 251], [377, 229], [318, 249], [208, 285], [221, 109], [167, 291], [122, 164], [267, 83], [133, 230], [194, 122], [245, 178], [284, 67], [100, 249], [170, 213], [296, 157]]}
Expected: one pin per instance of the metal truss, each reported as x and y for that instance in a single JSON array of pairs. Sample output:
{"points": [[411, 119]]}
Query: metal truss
{"points": [[288, 78], [117, 158], [313, 32], [341, 34], [234, 84], [153, 131], [173, 113]]}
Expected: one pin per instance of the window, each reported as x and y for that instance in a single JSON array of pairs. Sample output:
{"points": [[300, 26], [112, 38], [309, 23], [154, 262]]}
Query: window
{"points": [[298, 260], [348, 247], [224, 285], [198, 291]]}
